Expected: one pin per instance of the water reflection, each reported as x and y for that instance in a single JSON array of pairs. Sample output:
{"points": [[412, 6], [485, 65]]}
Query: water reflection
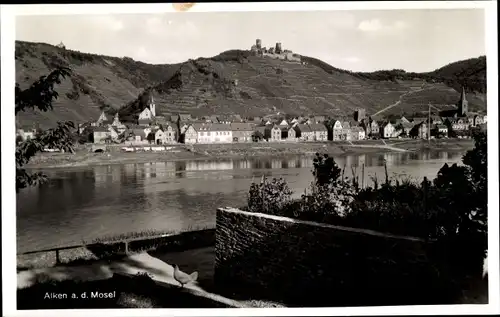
{"points": [[86, 203]]}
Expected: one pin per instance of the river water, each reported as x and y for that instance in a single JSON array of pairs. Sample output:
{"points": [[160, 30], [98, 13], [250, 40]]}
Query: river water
{"points": [[85, 203]]}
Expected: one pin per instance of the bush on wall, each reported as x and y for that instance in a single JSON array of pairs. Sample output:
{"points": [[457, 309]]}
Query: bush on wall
{"points": [[451, 209]]}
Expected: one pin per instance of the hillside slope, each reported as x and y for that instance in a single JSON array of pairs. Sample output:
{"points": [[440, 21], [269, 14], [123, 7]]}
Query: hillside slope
{"points": [[232, 82], [98, 82]]}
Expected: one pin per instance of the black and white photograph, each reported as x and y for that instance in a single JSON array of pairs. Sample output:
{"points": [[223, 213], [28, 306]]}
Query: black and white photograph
{"points": [[258, 156]]}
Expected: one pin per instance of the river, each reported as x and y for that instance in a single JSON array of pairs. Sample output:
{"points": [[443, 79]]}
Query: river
{"points": [[85, 203]]}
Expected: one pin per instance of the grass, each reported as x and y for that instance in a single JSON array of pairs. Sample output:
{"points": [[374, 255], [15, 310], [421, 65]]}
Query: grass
{"points": [[144, 234]]}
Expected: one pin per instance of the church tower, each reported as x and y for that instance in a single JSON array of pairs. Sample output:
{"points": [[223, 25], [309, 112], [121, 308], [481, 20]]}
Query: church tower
{"points": [[152, 106], [463, 104]]}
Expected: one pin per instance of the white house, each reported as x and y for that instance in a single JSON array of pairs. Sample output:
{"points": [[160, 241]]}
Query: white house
{"points": [[358, 133], [388, 130], [337, 131], [149, 112], [190, 135], [146, 114], [209, 133], [159, 136]]}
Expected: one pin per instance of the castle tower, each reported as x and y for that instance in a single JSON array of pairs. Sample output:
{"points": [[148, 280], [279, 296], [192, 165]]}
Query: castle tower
{"points": [[258, 43], [278, 50], [152, 106], [463, 104]]}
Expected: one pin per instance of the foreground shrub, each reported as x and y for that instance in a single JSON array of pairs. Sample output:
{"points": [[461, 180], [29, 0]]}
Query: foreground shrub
{"points": [[269, 196], [452, 209]]}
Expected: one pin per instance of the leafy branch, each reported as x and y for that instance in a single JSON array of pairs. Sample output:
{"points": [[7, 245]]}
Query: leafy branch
{"points": [[40, 95]]}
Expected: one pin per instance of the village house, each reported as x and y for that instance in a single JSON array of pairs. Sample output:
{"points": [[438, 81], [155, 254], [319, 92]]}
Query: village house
{"points": [[357, 133], [304, 132], [191, 134], [273, 133], [320, 131], [136, 135], [458, 124], [404, 120], [407, 126], [441, 129], [346, 131], [118, 125], [209, 133], [469, 119], [26, 133], [420, 130], [170, 133], [148, 113], [101, 135], [423, 130], [478, 120], [114, 133], [387, 130], [159, 136], [292, 134], [284, 132], [242, 132], [337, 131], [294, 120], [365, 126], [374, 129]]}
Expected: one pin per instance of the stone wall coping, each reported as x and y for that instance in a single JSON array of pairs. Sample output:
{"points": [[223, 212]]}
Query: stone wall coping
{"points": [[322, 225]]}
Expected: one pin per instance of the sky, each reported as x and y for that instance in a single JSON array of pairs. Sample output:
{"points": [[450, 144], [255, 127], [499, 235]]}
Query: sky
{"points": [[413, 40]]}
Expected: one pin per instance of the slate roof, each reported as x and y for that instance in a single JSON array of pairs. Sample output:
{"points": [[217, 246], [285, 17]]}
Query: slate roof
{"points": [[241, 126], [316, 127]]}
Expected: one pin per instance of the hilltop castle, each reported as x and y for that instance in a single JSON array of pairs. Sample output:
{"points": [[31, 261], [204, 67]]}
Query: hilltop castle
{"points": [[274, 52]]}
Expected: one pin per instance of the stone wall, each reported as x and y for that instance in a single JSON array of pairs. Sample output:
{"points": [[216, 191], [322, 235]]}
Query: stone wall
{"points": [[303, 263]]}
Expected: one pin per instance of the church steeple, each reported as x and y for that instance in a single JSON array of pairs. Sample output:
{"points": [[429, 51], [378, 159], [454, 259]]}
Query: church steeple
{"points": [[463, 104], [152, 105]]}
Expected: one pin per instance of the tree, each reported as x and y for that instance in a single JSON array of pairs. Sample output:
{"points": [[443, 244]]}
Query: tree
{"points": [[40, 95], [257, 136], [151, 137], [19, 139], [179, 134]]}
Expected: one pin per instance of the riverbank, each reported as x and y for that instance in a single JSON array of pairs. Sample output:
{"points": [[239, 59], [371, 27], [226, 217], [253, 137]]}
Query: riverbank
{"points": [[114, 155]]}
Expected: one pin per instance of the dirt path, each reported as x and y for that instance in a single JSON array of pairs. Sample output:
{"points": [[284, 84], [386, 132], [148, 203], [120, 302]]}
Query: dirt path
{"points": [[399, 101]]}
